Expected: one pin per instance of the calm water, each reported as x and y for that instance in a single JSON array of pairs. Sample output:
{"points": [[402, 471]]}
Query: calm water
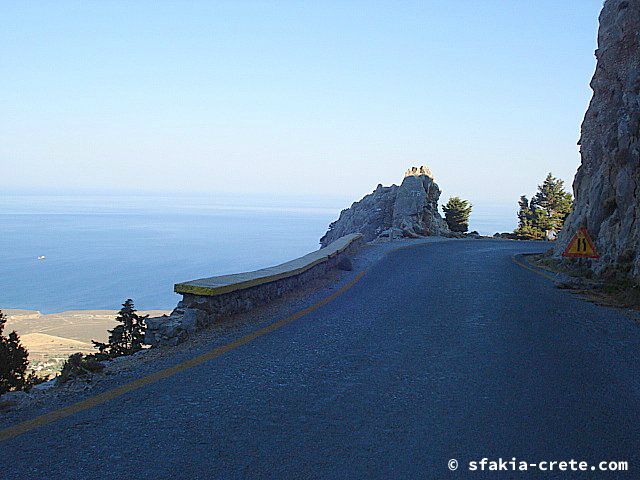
{"points": [[101, 250]]}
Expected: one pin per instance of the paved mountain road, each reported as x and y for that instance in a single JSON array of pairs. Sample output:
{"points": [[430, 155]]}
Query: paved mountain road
{"points": [[447, 350]]}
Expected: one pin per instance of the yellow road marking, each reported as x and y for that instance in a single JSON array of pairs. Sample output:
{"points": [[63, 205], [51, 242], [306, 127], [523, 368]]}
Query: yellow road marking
{"points": [[20, 428], [548, 276], [103, 397]]}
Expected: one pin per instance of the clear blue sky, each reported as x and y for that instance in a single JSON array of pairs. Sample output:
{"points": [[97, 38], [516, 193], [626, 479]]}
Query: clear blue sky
{"points": [[293, 97]]}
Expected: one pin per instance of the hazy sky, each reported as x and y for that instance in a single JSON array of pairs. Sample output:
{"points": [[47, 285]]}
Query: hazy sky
{"points": [[293, 97]]}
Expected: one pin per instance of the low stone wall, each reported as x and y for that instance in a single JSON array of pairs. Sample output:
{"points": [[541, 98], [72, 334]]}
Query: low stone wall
{"points": [[207, 300]]}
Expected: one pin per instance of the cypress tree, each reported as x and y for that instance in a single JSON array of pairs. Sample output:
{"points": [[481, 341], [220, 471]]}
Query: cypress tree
{"points": [[13, 362], [547, 210], [126, 338], [553, 203], [527, 220], [456, 214]]}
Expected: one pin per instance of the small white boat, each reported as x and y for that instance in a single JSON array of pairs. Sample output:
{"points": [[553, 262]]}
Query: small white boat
{"points": [[41, 257]]}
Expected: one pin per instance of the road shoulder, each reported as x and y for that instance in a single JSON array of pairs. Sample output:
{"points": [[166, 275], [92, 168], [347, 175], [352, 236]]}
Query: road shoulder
{"points": [[148, 363]]}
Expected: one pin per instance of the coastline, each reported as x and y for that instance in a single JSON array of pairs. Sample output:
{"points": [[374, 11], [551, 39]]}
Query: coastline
{"points": [[51, 337]]}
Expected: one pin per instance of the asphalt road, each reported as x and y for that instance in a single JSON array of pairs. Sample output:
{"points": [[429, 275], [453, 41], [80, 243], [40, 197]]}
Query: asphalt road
{"points": [[442, 351]]}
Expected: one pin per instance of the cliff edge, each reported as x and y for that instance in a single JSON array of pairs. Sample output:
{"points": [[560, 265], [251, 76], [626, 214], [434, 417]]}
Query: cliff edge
{"points": [[607, 200], [408, 210]]}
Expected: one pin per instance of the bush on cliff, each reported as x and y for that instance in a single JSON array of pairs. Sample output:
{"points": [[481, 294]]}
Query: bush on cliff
{"points": [[13, 362], [77, 365], [345, 264], [126, 338], [456, 214], [545, 214]]}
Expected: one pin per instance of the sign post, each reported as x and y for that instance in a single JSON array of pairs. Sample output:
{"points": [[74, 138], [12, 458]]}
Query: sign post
{"points": [[581, 246]]}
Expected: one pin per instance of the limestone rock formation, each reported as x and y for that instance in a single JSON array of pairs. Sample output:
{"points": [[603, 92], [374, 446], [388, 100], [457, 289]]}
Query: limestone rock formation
{"points": [[607, 199], [408, 210]]}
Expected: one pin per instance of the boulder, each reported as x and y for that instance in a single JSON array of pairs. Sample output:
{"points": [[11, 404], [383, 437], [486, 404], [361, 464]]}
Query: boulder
{"points": [[175, 328], [409, 210], [44, 386], [607, 198], [15, 396], [345, 264]]}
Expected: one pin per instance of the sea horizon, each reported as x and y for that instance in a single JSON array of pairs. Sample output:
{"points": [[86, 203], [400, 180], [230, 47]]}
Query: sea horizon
{"points": [[100, 249]]}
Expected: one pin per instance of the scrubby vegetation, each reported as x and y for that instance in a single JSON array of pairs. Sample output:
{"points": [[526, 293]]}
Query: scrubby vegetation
{"points": [[615, 287], [345, 264], [457, 213], [14, 362], [544, 215], [78, 365]]}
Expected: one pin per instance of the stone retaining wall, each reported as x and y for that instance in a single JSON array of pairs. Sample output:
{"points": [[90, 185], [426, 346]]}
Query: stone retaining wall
{"points": [[206, 301]]}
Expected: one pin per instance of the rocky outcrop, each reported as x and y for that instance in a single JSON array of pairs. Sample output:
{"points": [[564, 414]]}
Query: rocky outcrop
{"points": [[607, 199], [408, 210]]}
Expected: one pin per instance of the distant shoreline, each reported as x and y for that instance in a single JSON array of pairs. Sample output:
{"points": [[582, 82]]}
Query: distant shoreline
{"points": [[51, 337], [97, 311]]}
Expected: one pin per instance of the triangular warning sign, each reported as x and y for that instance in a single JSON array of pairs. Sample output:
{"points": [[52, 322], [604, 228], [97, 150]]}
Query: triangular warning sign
{"points": [[581, 246]]}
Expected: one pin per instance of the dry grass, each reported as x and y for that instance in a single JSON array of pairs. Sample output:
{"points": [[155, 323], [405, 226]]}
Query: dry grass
{"points": [[616, 291], [51, 338]]}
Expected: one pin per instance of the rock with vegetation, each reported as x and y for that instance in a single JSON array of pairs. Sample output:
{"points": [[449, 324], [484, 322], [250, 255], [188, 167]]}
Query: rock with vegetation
{"points": [[457, 213], [345, 264], [79, 365], [606, 185], [544, 216], [408, 210]]}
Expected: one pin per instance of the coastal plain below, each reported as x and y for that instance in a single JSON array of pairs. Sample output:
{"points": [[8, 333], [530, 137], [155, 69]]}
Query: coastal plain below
{"points": [[51, 338]]}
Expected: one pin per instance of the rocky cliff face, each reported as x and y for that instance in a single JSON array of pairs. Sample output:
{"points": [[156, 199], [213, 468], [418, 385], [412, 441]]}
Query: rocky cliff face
{"points": [[607, 200], [408, 210]]}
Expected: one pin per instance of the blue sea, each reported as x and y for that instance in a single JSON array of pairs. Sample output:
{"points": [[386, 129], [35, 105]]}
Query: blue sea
{"points": [[101, 250]]}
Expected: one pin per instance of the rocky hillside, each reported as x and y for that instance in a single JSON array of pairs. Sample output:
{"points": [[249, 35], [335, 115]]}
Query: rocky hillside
{"points": [[408, 210], [606, 184]]}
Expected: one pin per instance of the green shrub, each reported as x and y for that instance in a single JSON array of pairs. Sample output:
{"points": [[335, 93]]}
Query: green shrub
{"points": [[78, 365]]}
